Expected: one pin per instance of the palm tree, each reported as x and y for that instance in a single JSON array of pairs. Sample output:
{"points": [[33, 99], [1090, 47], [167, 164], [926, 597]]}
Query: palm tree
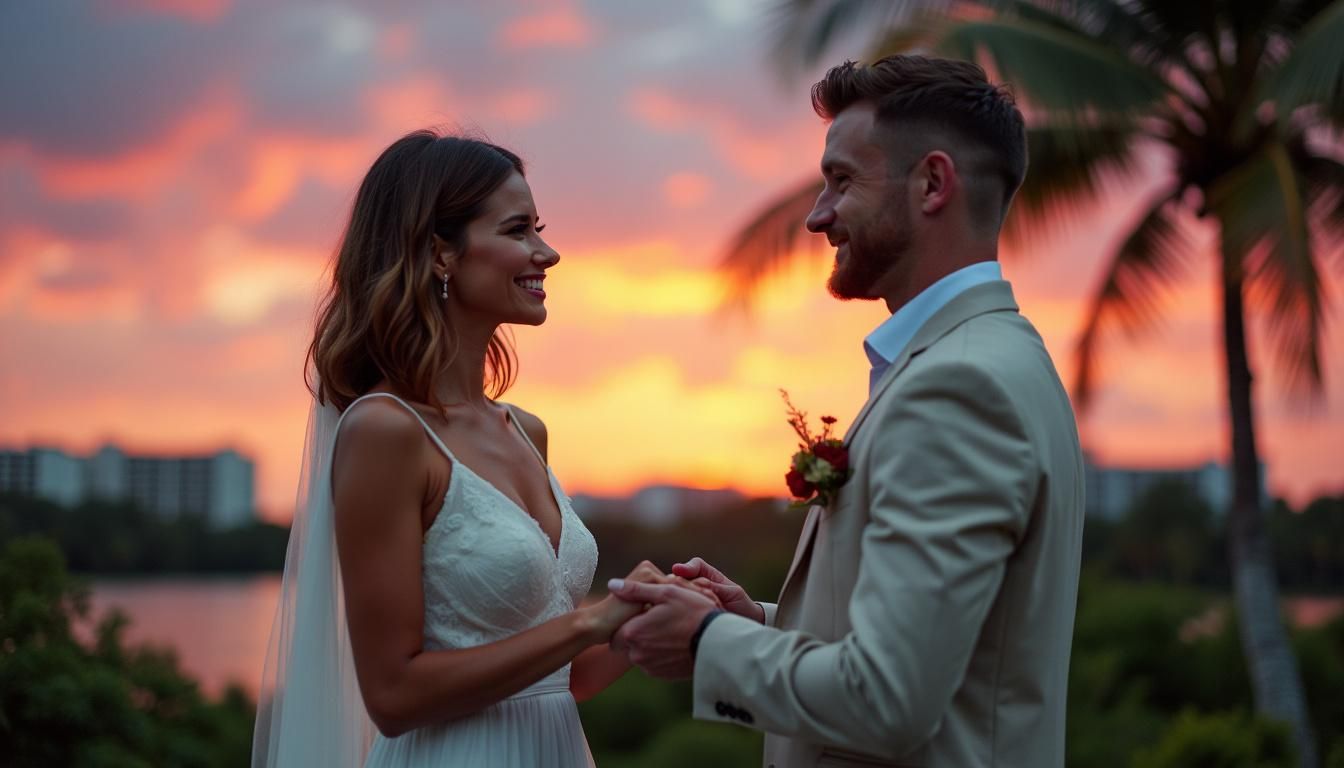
{"points": [[1246, 100]]}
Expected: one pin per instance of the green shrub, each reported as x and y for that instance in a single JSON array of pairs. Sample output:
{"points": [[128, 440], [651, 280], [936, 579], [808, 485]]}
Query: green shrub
{"points": [[1220, 740], [109, 705]]}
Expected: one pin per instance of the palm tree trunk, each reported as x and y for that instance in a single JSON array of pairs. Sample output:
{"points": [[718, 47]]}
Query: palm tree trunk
{"points": [[1275, 679]]}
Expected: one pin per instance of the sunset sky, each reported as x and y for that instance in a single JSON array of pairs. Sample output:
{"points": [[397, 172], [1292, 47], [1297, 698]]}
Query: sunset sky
{"points": [[174, 175]]}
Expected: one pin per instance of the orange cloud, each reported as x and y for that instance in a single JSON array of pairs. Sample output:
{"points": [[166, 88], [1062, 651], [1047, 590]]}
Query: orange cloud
{"points": [[557, 28], [243, 280], [273, 175], [274, 166], [141, 171]]}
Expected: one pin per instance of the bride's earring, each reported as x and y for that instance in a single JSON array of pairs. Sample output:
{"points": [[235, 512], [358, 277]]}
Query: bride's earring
{"points": [[445, 286]]}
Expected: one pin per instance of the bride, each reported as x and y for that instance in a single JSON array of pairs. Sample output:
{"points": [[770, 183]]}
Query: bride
{"points": [[435, 571]]}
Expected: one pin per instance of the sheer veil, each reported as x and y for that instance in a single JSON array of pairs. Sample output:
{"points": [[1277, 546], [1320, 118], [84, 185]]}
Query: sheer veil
{"points": [[309, 710]]}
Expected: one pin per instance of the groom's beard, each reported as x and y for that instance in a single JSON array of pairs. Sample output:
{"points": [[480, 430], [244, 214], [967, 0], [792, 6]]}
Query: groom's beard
{"points": [[870, 259]]}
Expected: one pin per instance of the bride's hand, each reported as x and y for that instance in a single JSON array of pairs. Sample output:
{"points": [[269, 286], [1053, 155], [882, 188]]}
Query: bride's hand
{"points": [[609, 613]]}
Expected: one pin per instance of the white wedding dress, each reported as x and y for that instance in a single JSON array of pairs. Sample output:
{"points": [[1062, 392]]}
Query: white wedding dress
{"points": [[490, 572]]}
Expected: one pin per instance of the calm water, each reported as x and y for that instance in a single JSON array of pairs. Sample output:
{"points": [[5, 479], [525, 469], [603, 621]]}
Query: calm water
{"points": [[220, 626]]}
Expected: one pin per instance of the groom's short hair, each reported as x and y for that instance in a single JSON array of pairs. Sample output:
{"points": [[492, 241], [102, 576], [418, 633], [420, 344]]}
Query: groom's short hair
{"points": [[944, 100]]}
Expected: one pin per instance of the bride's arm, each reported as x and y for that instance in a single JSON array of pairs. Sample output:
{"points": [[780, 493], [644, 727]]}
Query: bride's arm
{"points": [[382, 478], [594, 670]]}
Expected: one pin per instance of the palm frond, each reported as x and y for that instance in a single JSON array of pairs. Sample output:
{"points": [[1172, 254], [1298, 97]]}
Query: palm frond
{"points": [[1324, 177], [1247, 18], [769, 239], [805, 29], [1069, 167], [1178, 21], [1121, 25], [1313, 73], [1055, 69], [1262, 210], [1291, 16], [1153, 255]]}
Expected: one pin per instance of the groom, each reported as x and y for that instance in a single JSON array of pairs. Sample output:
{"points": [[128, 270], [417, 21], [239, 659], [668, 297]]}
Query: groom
{"points": [[926, 619]]}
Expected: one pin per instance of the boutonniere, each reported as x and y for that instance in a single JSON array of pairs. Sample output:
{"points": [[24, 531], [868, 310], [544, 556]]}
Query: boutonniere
{"points": [[821, 464]]}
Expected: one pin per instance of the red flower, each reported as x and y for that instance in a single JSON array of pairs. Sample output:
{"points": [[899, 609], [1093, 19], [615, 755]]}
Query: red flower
{"points": [[798, 485], [835, 455], [822, 457]]}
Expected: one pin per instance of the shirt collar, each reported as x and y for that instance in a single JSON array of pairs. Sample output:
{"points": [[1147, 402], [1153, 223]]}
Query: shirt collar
{"points": [[889, 339]]}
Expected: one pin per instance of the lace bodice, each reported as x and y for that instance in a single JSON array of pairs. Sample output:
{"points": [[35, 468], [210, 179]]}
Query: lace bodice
{"points": [[489, 570]]}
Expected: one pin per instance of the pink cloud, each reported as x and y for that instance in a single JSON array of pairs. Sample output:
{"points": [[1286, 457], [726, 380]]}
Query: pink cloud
{"points": [[760, 155], [557, 28], [202, 11], [397, 41], [408, 103], [686, 189], [521, 106]]}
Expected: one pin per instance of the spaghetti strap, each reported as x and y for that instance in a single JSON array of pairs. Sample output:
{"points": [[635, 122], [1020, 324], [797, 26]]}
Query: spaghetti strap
{"points": [[415, 413], [513, 419]]}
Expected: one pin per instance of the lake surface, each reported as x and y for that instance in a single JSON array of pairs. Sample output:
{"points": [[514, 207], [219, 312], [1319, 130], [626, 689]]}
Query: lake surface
{"points": [[220, 626]]}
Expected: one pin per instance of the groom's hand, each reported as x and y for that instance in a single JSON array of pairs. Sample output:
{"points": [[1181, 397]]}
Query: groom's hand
{"points": [[658, 641], [734, 598]]}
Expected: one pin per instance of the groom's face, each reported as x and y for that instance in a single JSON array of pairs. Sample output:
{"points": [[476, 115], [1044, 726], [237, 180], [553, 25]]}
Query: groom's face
{"points": [[861, 209]]}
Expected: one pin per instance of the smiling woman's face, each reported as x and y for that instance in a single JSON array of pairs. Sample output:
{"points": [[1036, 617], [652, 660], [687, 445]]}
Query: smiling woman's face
{"points": [[498, 279]]}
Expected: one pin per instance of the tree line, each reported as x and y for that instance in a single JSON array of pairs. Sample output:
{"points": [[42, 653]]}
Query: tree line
{"points": [[120, 538]]}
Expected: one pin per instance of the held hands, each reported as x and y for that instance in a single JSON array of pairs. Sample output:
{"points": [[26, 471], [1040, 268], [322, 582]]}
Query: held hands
{"points": [[733, 598], [611, 612], [659, 640]]}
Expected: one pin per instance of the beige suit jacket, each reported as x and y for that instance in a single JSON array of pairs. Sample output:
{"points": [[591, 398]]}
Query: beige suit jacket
{"points": [[928, 615]]}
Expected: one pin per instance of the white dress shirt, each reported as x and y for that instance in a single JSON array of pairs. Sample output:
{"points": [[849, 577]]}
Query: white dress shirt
{"points": [[887, 342]]}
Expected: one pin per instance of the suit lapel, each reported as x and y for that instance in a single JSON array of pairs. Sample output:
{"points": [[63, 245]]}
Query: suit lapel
{"points": [[987, 297], [804, 544]]}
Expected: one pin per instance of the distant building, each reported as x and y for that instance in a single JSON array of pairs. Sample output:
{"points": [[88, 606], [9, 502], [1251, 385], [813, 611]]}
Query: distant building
{"points": [[1111, 491], [219, 487]]}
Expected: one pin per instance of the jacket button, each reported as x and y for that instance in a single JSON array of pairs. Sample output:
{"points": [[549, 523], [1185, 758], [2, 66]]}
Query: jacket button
{"points": [[721, 708], [747, 718]]}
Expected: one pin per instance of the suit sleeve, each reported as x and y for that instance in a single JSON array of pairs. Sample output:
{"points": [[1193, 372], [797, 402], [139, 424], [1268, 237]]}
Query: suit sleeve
{"points": [[950, 480]]}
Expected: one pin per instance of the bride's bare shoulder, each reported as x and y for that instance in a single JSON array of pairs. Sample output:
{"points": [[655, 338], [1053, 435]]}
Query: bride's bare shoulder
{"points": [[380, 423]]}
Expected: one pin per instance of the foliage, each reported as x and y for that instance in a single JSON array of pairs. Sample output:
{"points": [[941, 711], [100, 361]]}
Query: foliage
{"points": [[1228, 740], [1170, 536], [66, 703], [640, 721], [1309, 545], [115, 538]]}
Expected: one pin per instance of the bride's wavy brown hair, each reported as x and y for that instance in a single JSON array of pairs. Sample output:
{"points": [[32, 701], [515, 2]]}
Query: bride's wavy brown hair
{"points": [[382, 317]]}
